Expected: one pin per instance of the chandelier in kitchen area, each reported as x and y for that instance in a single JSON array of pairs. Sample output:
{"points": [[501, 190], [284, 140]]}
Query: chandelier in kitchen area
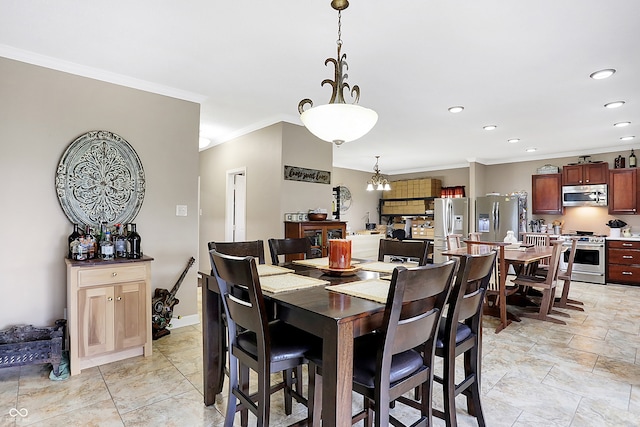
{"points": [[378, 181], [337, 121]]}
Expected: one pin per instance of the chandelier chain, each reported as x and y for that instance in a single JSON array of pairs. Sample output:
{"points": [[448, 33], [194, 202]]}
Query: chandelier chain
{"points": [[339, 41]]}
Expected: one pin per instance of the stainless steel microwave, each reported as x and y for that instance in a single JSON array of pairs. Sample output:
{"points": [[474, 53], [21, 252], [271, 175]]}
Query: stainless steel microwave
{"points": [[584, 195]]}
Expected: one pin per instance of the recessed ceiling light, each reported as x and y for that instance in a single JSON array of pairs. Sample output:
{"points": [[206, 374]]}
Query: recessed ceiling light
{"points": [[513, 140], [203, 142], [456, 109], [489, 127], [621, 124], [627, 138], [614, 104], [602, 74], [530, 149]]}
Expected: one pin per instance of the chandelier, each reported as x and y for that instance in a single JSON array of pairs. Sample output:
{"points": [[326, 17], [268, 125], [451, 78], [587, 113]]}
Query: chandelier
{"points": [[378, 181], [337, 121]]}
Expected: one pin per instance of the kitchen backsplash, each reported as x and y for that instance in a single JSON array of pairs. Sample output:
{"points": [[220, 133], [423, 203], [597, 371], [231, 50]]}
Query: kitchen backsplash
{"points": [[590, 219]]}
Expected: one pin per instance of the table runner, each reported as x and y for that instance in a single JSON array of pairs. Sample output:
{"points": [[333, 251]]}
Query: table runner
{"points": [[270, 270], [373, 289], [385, 267], [288, 282], [317, 262]]}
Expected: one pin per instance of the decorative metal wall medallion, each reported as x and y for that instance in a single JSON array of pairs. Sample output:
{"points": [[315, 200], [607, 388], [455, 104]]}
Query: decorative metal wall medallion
{"points": [[345, 199], [100, 178]]}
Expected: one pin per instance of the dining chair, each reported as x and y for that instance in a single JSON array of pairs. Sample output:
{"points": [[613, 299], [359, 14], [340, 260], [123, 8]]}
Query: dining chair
{"points": [[301, 247], [538, 239], [564, 301], [546, 283], [254, 248], [460, 334], [498, 289], [454, 241], [256, 343], [475, 235], [399, 356], [413, 249]]}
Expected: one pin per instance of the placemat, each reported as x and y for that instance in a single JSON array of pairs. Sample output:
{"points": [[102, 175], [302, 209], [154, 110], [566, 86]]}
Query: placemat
{"points": [[385, 267], [373, 289], [288, 282], [270, 270], [317, 262]]}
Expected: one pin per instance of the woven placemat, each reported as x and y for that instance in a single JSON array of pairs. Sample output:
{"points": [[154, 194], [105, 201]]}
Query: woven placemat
{"points": [[385, 267], [270, 270], [373, 289], [288, 282]]}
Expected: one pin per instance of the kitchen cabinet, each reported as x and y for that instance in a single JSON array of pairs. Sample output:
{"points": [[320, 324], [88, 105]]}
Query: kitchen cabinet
{"points": [[624, 191], [318, 232], [585, 173], [109, 311], [547, 194], [623, 261]]}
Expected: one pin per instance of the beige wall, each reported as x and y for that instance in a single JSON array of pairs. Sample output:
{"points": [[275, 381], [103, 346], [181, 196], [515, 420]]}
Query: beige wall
{"points": [[363, 203], [41, 112], [263, 153]]}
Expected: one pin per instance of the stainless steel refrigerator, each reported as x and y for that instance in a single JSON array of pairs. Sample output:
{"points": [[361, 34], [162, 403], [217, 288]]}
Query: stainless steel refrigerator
{"points": [[495, 215], [450, 216]]}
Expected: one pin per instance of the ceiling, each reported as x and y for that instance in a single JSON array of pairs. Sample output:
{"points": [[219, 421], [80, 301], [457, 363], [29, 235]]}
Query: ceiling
{"points": [[519, 64]]}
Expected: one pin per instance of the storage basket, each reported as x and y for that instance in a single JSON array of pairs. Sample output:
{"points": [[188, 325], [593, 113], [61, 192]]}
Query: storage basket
{"points": [[25, 345], [547, 169]]}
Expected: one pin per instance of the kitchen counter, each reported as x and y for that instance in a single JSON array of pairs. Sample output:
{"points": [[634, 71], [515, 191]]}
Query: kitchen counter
{"points": [[631, 239]]}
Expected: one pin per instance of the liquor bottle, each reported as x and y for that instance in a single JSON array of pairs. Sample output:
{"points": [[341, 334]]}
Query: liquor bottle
{"points": [[106, 247], [632, 160], [134, 249], [90, 242], [622, 162], [74, 240], [121, 242]]}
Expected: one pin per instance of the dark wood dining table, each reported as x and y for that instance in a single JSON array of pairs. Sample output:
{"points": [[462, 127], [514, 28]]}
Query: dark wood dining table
{"points": [[519, 258], [335, 317]]}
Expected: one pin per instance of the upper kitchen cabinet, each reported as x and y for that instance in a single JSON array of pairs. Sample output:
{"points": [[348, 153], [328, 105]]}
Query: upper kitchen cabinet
{"points": [[547, 194], [623, 191], [585, 173]]}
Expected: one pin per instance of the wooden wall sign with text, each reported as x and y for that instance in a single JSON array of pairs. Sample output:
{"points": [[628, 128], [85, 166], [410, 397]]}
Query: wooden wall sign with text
{"points": [[293, 173]]}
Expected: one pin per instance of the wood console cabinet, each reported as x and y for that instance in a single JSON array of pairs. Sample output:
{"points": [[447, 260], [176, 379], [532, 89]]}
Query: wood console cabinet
{"points": [[547, 194], [623, 261], [318, 232], [586, 173], [108, 310], [624, 191]]}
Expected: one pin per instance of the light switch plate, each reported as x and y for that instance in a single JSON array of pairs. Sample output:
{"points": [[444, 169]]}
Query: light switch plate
{"points": [[181, 210]]}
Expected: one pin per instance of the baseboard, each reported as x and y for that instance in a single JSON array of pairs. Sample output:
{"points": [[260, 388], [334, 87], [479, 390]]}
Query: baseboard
{"points": [[182, 321]]}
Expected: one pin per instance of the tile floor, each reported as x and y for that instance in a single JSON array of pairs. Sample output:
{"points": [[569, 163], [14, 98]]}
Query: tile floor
{"points": [[585, 373]]}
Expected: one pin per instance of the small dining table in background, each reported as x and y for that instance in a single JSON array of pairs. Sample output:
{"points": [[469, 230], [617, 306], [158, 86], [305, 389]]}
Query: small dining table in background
{"points": [[520, 258]]}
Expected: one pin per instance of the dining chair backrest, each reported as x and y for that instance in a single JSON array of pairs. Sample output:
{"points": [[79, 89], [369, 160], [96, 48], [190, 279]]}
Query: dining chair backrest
{"points": [[475, 235], [566, 275], [291, 246], [453, 241], [248, 312], [414, 249], [254, 248], [538, 239]]}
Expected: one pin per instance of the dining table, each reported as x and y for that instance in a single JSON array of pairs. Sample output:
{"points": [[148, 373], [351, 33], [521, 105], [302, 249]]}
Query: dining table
{"points": [[521, 257], [335, 317]]}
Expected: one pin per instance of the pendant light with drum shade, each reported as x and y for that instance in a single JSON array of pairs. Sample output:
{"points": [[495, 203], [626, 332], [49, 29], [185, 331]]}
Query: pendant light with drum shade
{"points": [[337, 121]]}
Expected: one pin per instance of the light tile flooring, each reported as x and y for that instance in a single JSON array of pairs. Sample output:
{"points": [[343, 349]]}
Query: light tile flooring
{"points": [[586, 373]]}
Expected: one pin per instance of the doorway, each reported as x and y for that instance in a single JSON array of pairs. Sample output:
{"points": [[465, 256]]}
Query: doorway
{"points": [[236, 205]]}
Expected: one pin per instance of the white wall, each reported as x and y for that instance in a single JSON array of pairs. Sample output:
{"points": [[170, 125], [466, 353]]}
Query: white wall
{"points": [[41, 112]]}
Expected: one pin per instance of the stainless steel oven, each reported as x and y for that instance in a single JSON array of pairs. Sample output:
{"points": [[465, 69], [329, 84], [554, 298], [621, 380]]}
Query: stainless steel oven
{"points": [[588, 265]]}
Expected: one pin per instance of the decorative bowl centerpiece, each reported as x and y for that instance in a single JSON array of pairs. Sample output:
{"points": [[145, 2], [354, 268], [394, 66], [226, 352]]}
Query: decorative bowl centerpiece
{"points": [[317, 214]]}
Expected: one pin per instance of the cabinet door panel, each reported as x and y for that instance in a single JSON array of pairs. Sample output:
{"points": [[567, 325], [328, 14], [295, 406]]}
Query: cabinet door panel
{"points": [[623, 188], [596, 173], [96, 316], [572, 175], [130, 306], [547, 197]]}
